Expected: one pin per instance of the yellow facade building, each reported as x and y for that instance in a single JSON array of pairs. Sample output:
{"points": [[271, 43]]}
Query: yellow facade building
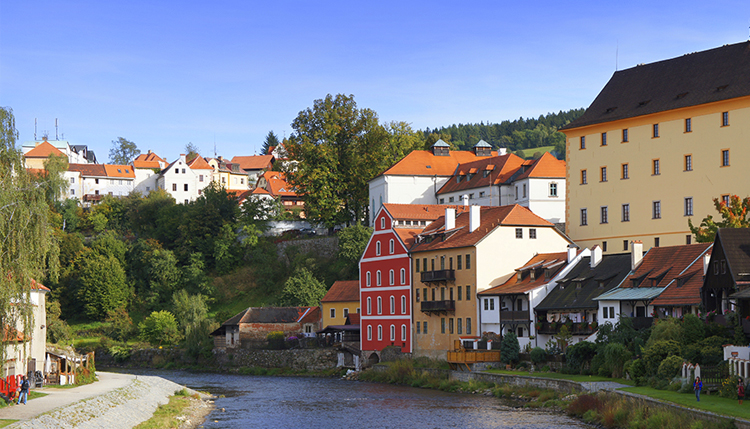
{"points": [[341, 300], [656, 146]]}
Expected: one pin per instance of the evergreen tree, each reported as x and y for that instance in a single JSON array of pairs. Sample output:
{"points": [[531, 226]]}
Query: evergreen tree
{"points": [[269, 143]]}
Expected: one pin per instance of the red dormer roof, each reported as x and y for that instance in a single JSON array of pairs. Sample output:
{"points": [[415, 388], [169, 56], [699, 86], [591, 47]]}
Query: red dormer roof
{"points": [[277, 185], [552, 261], [44, 150], [424, 163], [343, 291], [198, 163], [498, 169], [420, 211], [89, 170], [678, 268], [149, 160], [257, 162], [125, 171], [546, 166]]}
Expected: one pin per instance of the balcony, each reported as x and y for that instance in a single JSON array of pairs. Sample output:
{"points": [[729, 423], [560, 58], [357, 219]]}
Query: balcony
{"points": [[553, 328], [467, 357], [438, 306], [438, 276], [514, 316]]}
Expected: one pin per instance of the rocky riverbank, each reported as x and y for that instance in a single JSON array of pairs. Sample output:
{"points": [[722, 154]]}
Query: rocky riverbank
{"points": [[121, 408]]}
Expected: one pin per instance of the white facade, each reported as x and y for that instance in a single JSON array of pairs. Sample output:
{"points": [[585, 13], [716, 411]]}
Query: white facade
{"points": [[145, 180], [182, 182], [18, 354], [403, 190]]}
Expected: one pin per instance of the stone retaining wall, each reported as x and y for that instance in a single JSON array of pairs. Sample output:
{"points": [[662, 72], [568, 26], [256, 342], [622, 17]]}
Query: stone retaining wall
{"points": [[325, 247], [297, 359]]}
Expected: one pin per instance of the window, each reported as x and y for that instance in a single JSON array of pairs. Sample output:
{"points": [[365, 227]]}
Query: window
{"points": [[492, 304], [424, 264], [725, 199], [419, 327], [604, 174], [391, 246], [486, 304], [724, 119], [403, 332], [468, 263], [688, 162], [460, 296], [604, 139], [625, 245], [442, 262], [604, 246], [725, 158], [481, 194], [403, 276], [380, 305], [369, 305], [369, 332], [403, 304], [377, 248], [468, 326], [183, 171], [516, 191], [97, 182], [625, 172], [380, 332], [553, 189], [424, 327], [468, 293], [688, 206], [367, 277], [656, 210], [626, 212], [416, 265], [442, 325], [382, 223], [471, 196], [200, 178], [656, 130], [451, 294], [604, 215], [584, 217], [391, 277], [72, 192], [186, 187], [416, 294], [624, 135], [688, 239], [174, 187], [459, 326], [532, 233], [450, 199], [656, 241], [524, 191], [458, 262], [655, 171], [333, 313], [450, 325], [519, 232], [688, 125], [377, 278], [72, 180], [442, 201], [583, 177], [393, 305], [583, 142]]}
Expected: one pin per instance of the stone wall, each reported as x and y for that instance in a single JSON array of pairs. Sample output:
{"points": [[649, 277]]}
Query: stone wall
{"points": [[297, 359], [565, 386], [324, 247]]}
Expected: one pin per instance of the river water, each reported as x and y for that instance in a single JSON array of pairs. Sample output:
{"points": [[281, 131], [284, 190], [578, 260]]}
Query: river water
{"points": [[300, 402]]}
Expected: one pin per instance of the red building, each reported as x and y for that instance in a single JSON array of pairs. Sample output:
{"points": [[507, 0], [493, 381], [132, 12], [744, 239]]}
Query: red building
{"points": [[385, 277]]}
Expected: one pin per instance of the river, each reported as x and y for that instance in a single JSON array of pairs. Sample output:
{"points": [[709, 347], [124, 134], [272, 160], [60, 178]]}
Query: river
{"points": [[301, 402]]}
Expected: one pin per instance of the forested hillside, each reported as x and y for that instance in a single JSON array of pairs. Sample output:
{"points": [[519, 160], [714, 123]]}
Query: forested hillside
{"points": [[513, 135]]}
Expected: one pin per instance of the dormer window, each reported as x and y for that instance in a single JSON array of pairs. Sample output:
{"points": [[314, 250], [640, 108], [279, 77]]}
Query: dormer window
{"points": [[601, 284], [532, 275], [578, 285], [519, 276], [485, 173]]}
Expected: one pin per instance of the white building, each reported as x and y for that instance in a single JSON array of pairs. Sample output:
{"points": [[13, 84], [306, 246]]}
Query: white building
{"points": [[185, 180], [147, 167], [90, 182], [23, 352]]}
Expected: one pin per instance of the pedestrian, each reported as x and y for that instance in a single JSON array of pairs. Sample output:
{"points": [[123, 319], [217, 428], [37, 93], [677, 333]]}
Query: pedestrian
{"points": [[24, 391], [697, 386], [740, 390]]}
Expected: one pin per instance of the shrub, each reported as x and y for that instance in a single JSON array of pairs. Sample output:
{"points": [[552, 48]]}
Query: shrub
{"points": [[510, 349], [276, 340], [669, 367], [578, 356], [616, 355], [657, 351], [582, 404], [538, 355], [120, 325], [160, 328]]}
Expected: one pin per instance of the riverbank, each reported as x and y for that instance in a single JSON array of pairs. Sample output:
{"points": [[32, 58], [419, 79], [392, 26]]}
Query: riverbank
{"points": [[116, 401]]}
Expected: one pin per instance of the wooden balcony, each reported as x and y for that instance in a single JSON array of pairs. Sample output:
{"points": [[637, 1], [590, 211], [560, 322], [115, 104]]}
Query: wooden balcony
{"points": [[438, 306], [438, 276], [548, 328], [467, 357], [514, 316]]}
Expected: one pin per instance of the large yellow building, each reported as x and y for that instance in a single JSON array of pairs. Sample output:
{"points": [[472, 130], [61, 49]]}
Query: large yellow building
{"points": [[658, 143]]}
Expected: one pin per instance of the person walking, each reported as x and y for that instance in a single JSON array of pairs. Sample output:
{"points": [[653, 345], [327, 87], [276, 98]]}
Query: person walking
{"points": [[740, 390], [24, 391], [697, 386]]}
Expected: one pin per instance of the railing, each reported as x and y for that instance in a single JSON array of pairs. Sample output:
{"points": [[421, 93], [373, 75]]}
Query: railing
{"points": [[514, 315], [553, 328], [473, 356], [446, 305], [438, 276]]}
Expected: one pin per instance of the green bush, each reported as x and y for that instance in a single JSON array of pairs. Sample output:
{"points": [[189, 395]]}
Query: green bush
{"points": [[509, 348], [160, 328], [538, 355], [657, 351], [578, 356], [669, 367], [276, 340]]}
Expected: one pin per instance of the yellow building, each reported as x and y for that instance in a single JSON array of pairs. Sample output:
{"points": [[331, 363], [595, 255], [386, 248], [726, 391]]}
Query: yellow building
{"points": [[457, 256], [658, 143], [341, 299]]}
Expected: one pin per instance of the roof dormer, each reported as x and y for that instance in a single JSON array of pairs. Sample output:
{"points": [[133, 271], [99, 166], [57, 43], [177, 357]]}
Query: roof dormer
{"points": [[441, 148], [482, 148]]}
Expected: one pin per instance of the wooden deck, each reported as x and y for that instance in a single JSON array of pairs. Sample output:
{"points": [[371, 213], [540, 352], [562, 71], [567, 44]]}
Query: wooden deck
{"points": [[460, 358]]}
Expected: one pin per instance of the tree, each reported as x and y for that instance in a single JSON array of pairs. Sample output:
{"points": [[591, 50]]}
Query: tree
{"points": [[510, 350], [191, 151], [733, 215], [28, 246], [159, 328], [123, 151], [352, 243], [302, 289], [269, 143], [339, 148], [190, 310], [102, 286]]}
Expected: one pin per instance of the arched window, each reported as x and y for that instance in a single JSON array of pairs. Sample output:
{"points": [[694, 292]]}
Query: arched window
{"points": [[369, 305], [393, 332], [382, 222], [380, 305], [393, 304], [391, 276], [403, 332], [377, 278], [369, 332], [403, 276], [391, 246], [380, 332], [403, 304], [377, 248], [367, 276]]}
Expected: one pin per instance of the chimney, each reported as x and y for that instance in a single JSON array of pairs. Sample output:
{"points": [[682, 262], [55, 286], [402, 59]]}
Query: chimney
{"points": [[706, 262], [596, 255], [450, 218], [572, 252], [474, 218], [636, 253], [149, 151], [465, 199]]}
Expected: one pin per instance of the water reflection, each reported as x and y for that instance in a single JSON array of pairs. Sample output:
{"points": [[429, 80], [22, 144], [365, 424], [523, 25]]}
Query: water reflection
{"points": [[296, 402]]}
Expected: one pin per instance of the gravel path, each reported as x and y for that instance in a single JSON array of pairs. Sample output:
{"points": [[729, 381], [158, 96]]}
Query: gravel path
{"points": [[117, 401]]}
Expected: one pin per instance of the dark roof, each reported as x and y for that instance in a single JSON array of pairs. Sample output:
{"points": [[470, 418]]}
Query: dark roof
{"points": [[538, 264], [611, 270], [736, 245], [690, 80], [271, 315]]}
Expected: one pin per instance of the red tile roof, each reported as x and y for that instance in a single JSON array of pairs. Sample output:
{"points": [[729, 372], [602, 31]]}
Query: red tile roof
{"points": [[420, 211], [277, 183], [678, 268], [554, 261], [35, 285], [44, 150], [407, 236], [343, 291], [309, 314], [353, 319], [257, 162], [424, 163], [499, 169], [547, 166], [96, 170], [490, 218], [149, 160], [119, 171], [198, 163]]}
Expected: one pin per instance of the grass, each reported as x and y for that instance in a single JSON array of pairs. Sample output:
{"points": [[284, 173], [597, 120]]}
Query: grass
{"points": [[528, 153], [32, 395], [165, 415], [713, 403], [556, 375], [6, 422]]}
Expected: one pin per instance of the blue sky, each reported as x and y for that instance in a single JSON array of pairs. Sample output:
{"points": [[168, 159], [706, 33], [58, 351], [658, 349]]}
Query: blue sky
{"points": [[165, 73]]}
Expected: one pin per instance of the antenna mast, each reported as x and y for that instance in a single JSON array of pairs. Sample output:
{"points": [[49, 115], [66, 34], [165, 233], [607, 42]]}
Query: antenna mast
{"points": [[56, 138], [34, 129]]}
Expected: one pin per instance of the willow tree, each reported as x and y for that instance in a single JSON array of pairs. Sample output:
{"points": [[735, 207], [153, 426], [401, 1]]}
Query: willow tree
{"points": [[28, 245]]}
